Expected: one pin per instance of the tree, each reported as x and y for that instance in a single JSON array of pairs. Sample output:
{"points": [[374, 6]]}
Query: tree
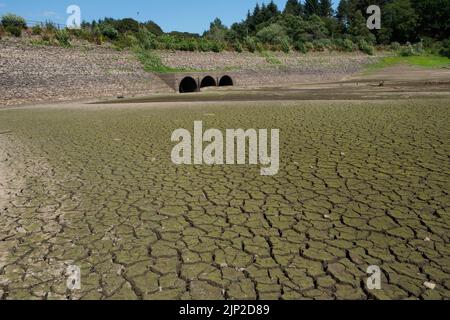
{"points": [[433, 17], [217, 30], [325, 8], [273, 34], [399, 22], [312, 7], [128, 25], [153, 28], [358, 26], [293, 7]]}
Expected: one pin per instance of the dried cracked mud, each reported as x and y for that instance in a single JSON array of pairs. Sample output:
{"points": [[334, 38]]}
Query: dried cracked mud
{"points": [[360, 183]]}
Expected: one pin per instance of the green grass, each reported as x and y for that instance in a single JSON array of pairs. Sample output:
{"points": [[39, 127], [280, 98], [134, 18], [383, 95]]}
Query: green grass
{"points": [[271, 58], [152, 62], [424, 61]]}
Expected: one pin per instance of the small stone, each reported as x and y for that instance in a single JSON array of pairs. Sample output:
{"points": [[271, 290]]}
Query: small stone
{"points": [[342, 153], [427, 239], [430, 285]]}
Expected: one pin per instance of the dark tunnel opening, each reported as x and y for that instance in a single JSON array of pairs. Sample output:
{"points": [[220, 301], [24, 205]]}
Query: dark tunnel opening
{"points": [[225, 81], [188, 84], [208, 81]]}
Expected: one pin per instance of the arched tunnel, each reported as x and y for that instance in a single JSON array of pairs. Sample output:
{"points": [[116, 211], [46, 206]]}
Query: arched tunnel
{"points": [[188, 84], [225, 81], [208, 81]]}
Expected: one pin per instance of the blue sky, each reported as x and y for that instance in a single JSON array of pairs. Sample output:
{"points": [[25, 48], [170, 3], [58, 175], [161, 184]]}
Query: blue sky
{"points": [[180, 15]]}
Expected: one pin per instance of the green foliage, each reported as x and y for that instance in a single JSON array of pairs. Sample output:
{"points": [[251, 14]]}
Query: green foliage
{"points": [[14, 30], [348, 45], [300, 46], [433, 18], [152, 62], [312, 26], [50, 26], [36, 30], [110, 32], [293, 7], [424, 61], [270, 58], [63, 37], [146, 39], [237, 46], [153, 28], [12, 20], [217, 31], [365, 47], [312, 7], [395, 46], [127, 25], [125, 41], [445, 50], [325, 8], [273, 34], [399, 22], [285, 45], [253, 45], [412, 50]]}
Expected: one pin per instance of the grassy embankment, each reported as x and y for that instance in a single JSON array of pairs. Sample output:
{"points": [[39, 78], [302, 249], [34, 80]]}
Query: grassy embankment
{"points": [[424, 61]]}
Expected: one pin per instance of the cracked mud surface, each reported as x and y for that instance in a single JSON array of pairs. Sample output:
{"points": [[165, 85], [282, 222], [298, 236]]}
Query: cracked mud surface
{"points": [[360, 183]]}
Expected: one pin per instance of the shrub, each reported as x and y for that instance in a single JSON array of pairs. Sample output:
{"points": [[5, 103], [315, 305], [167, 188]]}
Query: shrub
{"points": [[128, 25], [273, 34], [63, 37], [309, 46], [395, 46], [365, 47], [2, 31], [412, 50], [300, 46], [407, 51], [445, 49], [348, 45], [14, 30], [217, 46], [237, 46], [418, 48], [125, 42], [253, 45], [110, 32], [146, 39], [50, 26], [188, 45], [97, 36], [12, 20], [36, 30], [285, 46]]}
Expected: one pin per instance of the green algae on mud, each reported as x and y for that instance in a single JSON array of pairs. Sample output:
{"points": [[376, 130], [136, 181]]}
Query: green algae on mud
{"points": [[360, 183]]}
